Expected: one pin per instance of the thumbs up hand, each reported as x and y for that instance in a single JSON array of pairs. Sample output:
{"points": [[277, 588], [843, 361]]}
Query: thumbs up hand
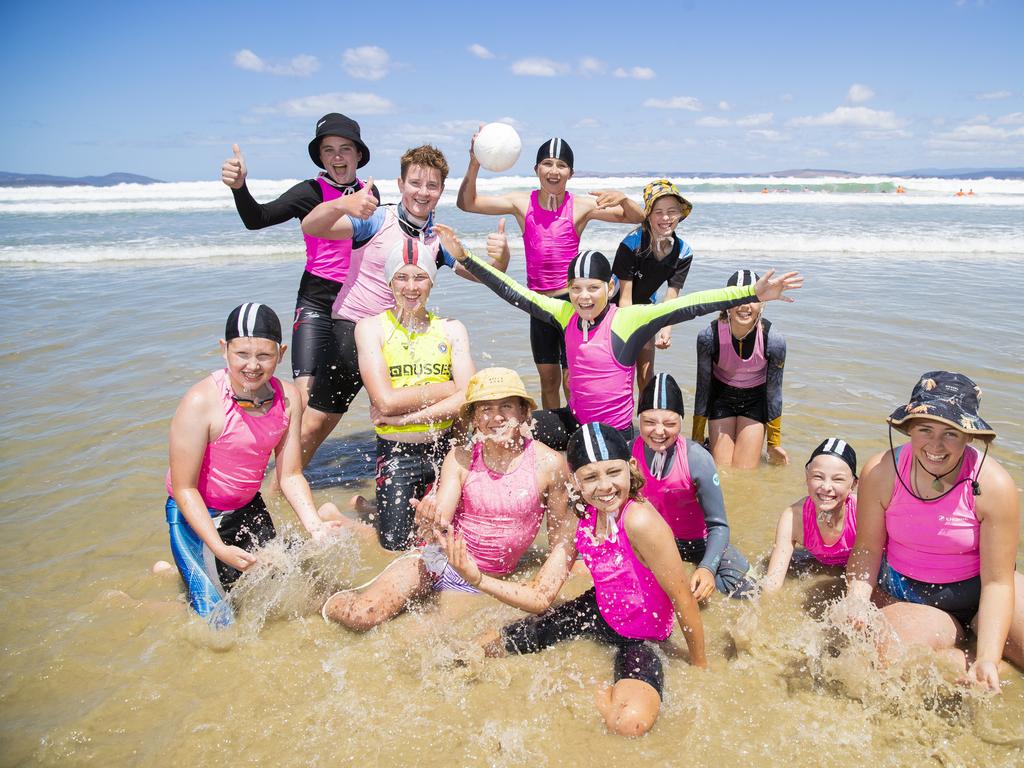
{"points": [[233, 172], [497, 245], [361, 204]]}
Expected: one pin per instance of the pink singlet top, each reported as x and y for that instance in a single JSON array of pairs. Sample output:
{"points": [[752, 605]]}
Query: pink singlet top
{"points": [[628, 596], [602, 389], [499, 514], [732, 369], [830, 554], [366, 294], [550, 242], [934, 541], [674, 496], [328, 258], [234, 463]]}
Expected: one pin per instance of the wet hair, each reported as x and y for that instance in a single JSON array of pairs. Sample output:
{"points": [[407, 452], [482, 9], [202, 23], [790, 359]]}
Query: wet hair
{"points": [[426, 156]]}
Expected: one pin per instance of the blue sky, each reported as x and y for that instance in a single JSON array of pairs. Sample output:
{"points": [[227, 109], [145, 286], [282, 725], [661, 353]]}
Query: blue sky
{"points": [[163, 89]]}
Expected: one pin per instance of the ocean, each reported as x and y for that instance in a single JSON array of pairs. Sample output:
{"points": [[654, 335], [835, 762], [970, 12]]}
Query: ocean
{"points": [[112, 301]]}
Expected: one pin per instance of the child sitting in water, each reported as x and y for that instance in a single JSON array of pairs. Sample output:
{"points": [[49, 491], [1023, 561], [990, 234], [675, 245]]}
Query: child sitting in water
{"points": [[640, 584], [222, 436], [825, 520], [681, 481]]}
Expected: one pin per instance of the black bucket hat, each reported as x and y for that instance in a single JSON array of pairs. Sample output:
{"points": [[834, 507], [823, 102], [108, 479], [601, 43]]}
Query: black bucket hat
{"points": [[951, 398], [335, 124]]}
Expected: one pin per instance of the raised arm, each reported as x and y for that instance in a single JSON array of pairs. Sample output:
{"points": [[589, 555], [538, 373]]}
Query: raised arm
{"points": [[514, 203], [786, 534], [191, 430], [654, 544], [612, 206], [498, 254], [390, 400]]}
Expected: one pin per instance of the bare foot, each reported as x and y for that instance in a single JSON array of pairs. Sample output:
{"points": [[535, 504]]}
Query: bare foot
{"points": [[363, 507]]}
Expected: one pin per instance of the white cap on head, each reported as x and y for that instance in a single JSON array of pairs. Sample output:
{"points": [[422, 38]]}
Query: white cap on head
{"points": [[410, 251]]}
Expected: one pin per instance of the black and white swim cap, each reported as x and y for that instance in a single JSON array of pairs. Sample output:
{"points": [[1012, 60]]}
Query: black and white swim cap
{"points": [[596, 442], [841, 449], [557, 148], [661, 393], [253, 320], [742, 277], [592, 264]]}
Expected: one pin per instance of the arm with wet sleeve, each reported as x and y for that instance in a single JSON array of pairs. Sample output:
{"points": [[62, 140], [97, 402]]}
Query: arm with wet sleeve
{"points": [[709, 495], [556, 312]]}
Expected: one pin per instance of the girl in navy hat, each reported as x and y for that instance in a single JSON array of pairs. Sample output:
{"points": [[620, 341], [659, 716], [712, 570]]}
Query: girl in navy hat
{"points": [[937, 532], [824, 522]]}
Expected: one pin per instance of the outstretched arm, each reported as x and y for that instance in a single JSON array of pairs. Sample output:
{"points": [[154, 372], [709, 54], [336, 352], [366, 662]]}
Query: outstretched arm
{"points": [[497, 250], [613, 206], [513, 203]]}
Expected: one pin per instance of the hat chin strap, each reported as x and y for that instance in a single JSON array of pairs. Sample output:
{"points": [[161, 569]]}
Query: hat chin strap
{"points": [[975, 485]]}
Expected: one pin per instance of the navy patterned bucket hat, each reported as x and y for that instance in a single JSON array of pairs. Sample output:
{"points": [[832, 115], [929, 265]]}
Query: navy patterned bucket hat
{"points": [[951, 398]]}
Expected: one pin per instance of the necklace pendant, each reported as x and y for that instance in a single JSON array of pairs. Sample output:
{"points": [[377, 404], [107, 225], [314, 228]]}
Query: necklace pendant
{"points": [[936, 485]]}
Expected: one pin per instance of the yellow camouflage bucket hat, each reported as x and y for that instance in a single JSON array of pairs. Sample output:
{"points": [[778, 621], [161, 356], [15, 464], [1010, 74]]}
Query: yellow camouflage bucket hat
{"points": [[660, 188]]}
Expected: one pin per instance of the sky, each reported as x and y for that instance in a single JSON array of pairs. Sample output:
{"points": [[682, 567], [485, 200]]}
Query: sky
{"points": [[164, 89]]}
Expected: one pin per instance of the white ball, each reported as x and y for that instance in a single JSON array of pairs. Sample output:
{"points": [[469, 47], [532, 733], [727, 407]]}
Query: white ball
{"points": [[497, 147]]}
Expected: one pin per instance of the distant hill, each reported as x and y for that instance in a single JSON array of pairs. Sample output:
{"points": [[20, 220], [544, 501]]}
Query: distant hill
{"points": [[8, 179]]}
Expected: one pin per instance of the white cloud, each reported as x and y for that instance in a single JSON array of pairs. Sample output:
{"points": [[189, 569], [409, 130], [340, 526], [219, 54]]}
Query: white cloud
{"points": [[765, 134], [517, 124], [346, 103], [591, 66], [1014, 118], [712, 122], [761, 118], [855, 117], [480, 52], [676, 102], [977, 133], [367, 62], [587, 122], [993, 95], [535, 67], [302, 65], [636, 73], [725, 106], [858, 94]]}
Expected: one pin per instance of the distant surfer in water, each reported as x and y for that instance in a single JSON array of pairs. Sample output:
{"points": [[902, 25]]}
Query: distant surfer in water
{"points": [[552, 221], [222, 436]]}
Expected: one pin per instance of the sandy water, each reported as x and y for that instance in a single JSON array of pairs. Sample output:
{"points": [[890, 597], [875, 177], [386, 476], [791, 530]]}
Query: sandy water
{"points": [[102, 665]]}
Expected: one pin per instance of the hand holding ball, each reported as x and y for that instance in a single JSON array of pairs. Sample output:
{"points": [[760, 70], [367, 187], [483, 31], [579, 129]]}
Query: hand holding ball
{"points": [[497, 147]]}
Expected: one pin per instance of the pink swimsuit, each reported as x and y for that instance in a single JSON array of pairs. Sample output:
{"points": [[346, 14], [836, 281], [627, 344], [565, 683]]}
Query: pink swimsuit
{"points": [[499, 514], [601, 387], [366, 294], [674, 496], [838, 552], [732, 369], [234, 464], [628, 595], [934, 541], [550, 242], [328, 258]]}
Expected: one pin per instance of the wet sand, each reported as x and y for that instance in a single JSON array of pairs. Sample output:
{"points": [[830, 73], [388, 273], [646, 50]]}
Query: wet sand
{"points": [[103, 664]]}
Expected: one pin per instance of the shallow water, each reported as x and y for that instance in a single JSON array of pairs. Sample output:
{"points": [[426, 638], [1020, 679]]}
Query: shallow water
{"points": [[103, 665]]}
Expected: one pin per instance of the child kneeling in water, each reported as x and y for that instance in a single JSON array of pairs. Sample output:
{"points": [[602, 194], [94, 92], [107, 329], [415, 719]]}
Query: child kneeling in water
{"points": [[639, 584], [825, 520], [682, 483], [222, 436]]}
